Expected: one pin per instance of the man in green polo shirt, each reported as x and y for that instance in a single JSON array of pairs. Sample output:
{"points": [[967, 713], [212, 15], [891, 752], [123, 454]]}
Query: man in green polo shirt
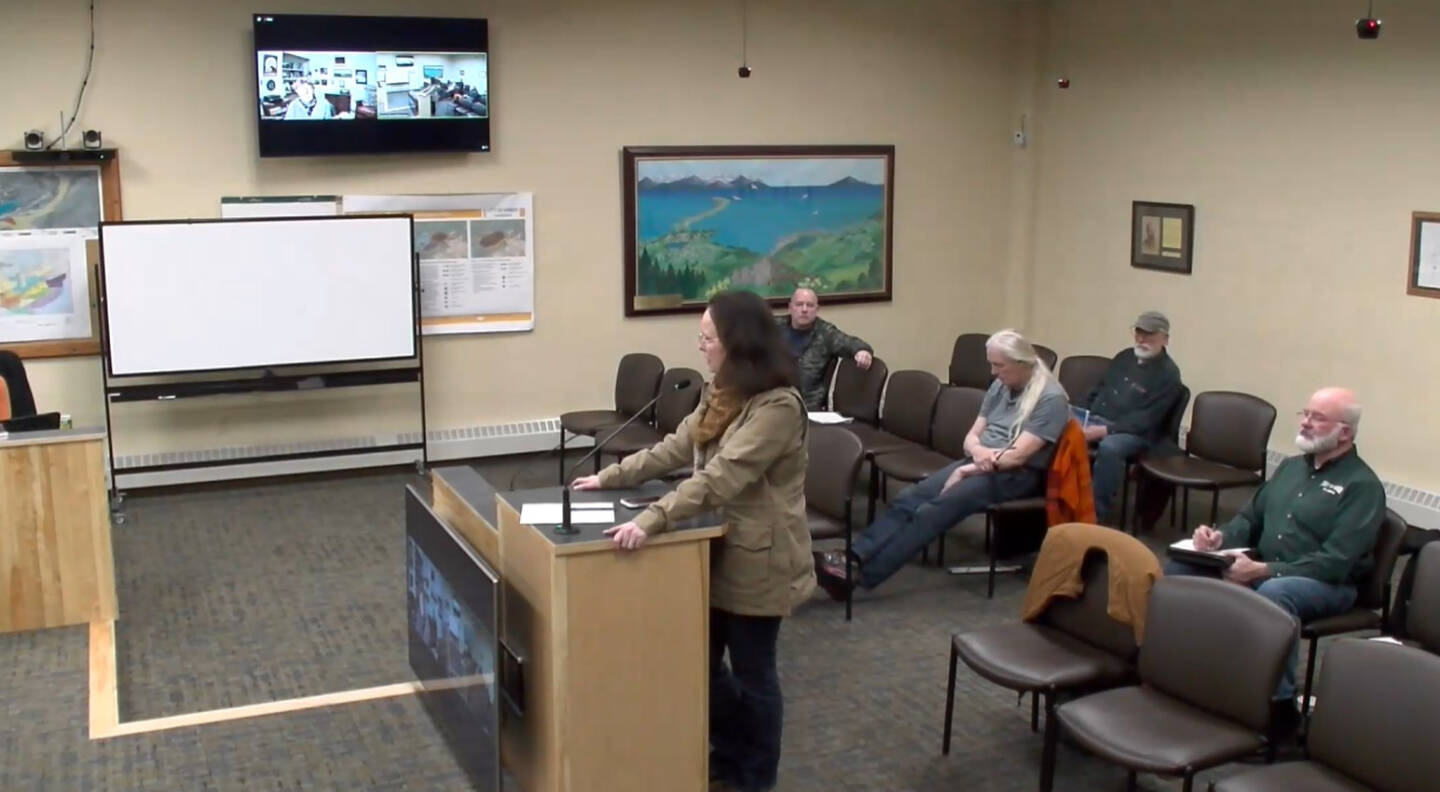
{"points": [[1312, 526]]}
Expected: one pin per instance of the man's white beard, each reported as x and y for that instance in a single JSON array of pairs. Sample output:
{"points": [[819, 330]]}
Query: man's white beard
{"points": [[1318, 444], [1146, 354]]}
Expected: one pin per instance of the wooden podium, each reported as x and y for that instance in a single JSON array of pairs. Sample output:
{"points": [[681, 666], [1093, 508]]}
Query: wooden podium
{"points": [[615, 644], [56, 564]]}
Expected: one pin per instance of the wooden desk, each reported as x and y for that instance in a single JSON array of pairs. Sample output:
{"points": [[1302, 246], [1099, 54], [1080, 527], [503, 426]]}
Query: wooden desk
{"points": [[56, 565], [616, 644]]}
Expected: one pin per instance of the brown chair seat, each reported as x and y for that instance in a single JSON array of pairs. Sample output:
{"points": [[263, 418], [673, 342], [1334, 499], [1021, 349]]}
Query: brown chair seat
{"points": [[1196, 473], [823, 526], [1144, 729], [633, 438], [911, 464], [588, 422], [1308, 776], [877, 441], [1350, 621], [1024, 656]]}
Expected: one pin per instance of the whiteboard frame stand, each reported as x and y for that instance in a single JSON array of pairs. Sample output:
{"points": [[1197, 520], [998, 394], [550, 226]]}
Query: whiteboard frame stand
{"points": [[314, 377]]}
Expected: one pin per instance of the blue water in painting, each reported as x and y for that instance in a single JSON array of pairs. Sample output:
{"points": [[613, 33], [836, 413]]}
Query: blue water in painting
{"points": [[761, 218]]}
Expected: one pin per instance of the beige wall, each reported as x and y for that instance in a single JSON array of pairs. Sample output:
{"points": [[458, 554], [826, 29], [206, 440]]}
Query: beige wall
{"points": [[1304, 152], [573, 82]]}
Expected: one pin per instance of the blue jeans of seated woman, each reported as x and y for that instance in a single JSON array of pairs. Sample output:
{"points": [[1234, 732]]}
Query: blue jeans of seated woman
{"points": [[920, 514], [745, 705], [1304, 598]]}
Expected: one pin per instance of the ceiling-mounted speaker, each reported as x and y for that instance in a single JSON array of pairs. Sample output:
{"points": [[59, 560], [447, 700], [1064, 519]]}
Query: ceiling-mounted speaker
{"points": [[90, 139]]}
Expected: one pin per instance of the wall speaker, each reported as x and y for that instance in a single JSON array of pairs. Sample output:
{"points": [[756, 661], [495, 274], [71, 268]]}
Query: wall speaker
{"points": [[90, 139], [34, 140]]}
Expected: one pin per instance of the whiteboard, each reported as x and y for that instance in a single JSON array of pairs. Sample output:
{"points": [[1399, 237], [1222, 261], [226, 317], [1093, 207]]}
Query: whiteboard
{"points": [[187, 296]]}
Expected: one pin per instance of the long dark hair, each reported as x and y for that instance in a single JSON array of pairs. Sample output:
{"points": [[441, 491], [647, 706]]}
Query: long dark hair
{"points": [[755, 356]]}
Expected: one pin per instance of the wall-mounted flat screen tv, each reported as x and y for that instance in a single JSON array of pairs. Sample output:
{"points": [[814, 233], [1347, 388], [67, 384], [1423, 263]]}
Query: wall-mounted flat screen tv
{"points": [[371, 85]]}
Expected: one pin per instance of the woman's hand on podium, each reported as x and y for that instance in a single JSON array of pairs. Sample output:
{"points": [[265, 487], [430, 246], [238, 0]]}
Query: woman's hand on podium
{"points": [[627, 536], [586, 483]]}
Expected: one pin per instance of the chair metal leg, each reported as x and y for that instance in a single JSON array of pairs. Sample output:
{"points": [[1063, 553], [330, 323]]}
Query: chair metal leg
{"points": [[940, 552], [849, 536], [1189, 782], [1214, 507], [1309, 678], [1130, 781], [874, 492], [1034, 711], [1052, 741], [949, 701], [1184, 510], [990, 588], [1125, 498]]}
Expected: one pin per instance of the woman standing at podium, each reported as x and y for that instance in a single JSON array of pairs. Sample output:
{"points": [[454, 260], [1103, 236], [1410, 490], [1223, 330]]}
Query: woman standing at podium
{"points": [[746, 443]]}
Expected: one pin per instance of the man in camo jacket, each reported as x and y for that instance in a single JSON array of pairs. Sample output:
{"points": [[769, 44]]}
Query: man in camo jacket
{"points": [[813, 341]]}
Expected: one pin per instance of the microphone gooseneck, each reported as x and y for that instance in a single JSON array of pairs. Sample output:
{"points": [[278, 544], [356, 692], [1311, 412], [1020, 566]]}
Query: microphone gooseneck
{"points": [[565, 526]]}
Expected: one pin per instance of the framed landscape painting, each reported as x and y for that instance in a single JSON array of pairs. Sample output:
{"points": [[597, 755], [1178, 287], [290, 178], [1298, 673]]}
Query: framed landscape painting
{"points": [[770, 219]]}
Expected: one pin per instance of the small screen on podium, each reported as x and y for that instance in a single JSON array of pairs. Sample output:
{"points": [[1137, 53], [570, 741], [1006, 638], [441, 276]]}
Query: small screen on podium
{"points": [[452, 614]]}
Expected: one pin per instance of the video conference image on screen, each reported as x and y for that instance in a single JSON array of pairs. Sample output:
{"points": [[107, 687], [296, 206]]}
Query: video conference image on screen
{"points": [[459, 646], [320, 86]]}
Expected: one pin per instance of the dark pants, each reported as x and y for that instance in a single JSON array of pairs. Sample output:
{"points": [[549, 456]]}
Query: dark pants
{"points": [[1304, 598], [920, 514], [1108, 473], [745, 704]]}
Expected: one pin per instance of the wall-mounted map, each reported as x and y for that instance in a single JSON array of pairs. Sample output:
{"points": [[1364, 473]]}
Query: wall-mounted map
{"points": [[46, 216]]}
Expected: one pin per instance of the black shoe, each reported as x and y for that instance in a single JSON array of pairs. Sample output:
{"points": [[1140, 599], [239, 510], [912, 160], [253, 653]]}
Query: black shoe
{"points": [[1285, 721], [831, 577]]}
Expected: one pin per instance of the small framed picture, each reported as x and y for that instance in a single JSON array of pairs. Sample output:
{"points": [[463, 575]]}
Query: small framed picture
{"points": [[1162, 236], [1424, 255], [360, 76]]}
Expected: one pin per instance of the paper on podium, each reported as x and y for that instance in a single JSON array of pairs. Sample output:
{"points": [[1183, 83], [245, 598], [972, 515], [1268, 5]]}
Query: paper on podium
{"points": [[829, 418], [584, 513]]}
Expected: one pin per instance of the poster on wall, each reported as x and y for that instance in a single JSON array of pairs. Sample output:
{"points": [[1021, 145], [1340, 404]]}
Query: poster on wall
{"points": [[477, 258], [47, 215]]}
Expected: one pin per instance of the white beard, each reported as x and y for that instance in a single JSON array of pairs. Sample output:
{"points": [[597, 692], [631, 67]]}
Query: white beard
{"points": [[1147, 354], [1318, 444]]}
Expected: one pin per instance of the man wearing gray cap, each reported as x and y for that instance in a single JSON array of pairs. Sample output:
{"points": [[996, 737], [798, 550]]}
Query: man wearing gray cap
{"points": [[1128, 407]]}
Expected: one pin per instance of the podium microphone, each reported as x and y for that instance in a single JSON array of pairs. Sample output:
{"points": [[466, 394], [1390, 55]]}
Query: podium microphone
{"points": [[565, 527]]}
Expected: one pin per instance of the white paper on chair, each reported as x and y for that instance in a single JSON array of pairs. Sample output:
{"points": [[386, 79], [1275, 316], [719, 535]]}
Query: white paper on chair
{"points": [[585, 513], [1386, 639], [829, 418]]}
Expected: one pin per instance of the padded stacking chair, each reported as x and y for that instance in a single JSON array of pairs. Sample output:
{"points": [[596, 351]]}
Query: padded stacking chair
{"points": [[637, 380], [906, 411], [1374, 726], [1422, 620], [1079, 374], [857, 392], [1372, 603], [1212, 655], [672, 408], [968, 366], [1224, 448], [1047, 355], [1074, 647], [835, 457]]}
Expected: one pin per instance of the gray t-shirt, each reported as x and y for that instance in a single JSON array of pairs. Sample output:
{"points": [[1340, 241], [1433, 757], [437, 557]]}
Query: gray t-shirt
{"points": [[1046, 421]]}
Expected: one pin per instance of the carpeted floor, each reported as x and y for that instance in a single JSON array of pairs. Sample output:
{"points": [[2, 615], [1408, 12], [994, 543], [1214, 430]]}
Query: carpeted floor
{"points": [[254, 592]]}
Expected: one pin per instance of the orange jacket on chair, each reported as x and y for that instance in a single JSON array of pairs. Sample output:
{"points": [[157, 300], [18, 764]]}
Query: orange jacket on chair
{"points": [[4, 401], [1068, 493], [1133, 570]]}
